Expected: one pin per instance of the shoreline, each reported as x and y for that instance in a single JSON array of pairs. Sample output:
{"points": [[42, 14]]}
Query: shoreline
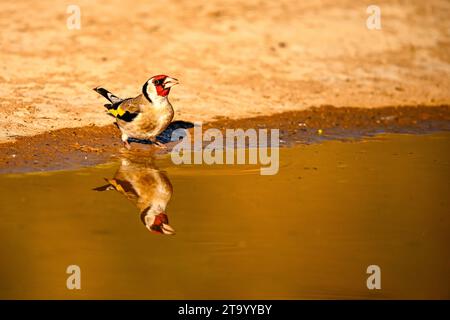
{"points": [[71, 148]]}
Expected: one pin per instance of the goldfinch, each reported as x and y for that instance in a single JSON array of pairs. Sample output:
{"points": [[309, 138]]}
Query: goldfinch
{"points": [[145, 116], [148, 188]]}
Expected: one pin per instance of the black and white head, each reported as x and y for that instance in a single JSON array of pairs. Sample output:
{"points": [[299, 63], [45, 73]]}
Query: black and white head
{"points": [[158, 87], [156, 221]]}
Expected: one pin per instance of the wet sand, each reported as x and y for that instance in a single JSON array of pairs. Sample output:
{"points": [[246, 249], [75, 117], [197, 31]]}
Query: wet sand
{"points": [[71, 148], [310, 231]]}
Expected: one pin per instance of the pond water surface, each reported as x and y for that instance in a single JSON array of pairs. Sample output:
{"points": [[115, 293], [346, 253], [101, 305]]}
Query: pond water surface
{"points": [[310, 231]]}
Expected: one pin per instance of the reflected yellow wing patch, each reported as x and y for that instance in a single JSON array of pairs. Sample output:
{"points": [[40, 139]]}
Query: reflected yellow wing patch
{"points": [[117, 186]]}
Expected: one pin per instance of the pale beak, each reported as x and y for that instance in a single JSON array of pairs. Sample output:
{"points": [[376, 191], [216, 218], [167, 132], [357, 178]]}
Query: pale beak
{"points": [[170, 82], [167, 229]]}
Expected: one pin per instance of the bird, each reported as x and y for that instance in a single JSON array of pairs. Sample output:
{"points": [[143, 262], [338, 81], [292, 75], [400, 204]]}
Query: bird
{"points": [[148, 188], [146, 115]]}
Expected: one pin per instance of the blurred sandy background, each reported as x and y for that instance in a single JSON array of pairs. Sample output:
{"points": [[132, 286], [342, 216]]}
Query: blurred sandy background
{"points": [[234, 58]]}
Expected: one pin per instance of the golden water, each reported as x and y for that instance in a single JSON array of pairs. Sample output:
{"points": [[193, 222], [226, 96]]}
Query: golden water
{"points": [[308, 232]]}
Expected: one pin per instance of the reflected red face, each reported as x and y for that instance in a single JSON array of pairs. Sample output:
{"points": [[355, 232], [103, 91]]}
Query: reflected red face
{"points": [[158, 82], [160, 219], [157, 225]]}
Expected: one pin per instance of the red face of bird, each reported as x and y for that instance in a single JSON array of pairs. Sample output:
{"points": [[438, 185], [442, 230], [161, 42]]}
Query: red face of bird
{"points": [[159, 86], [158, 223]]}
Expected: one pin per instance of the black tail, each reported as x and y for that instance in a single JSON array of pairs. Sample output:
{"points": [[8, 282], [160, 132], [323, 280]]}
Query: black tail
{"points": [[108, 95]]}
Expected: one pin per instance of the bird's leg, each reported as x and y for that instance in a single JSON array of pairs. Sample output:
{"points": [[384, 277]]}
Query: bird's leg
{"points": [[126, 144]]}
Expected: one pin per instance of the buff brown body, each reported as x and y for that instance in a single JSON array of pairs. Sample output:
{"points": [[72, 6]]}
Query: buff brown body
{"points": [[151, 120]]}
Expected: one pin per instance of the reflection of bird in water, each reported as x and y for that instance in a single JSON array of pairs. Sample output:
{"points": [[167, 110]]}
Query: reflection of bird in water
{"points": [[148, 188]]}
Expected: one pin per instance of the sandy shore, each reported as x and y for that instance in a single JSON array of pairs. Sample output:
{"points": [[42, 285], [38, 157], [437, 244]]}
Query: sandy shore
{"points": [[235, 59], [71, 148]]}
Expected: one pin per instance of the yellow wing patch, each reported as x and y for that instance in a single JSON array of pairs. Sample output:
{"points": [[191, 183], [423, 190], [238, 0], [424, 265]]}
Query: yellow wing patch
{"points": [[117, 186], [117, 112]]}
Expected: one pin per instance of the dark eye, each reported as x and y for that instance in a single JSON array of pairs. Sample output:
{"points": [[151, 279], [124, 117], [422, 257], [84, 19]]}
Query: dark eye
{"points": [[159, 82]]}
